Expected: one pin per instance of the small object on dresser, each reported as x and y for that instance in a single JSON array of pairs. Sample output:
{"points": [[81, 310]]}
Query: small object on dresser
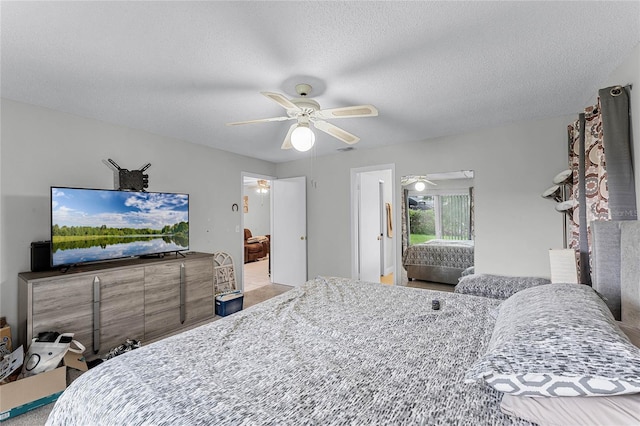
{"points": [[435, 304]]}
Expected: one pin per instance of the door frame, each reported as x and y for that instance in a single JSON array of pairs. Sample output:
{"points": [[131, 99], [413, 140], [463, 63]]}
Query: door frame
{"points": [[240, 229], [355, 172]]}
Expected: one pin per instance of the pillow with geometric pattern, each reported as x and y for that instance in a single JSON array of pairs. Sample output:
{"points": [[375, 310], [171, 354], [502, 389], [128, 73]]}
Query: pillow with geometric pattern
{"points": [[558, 340]]}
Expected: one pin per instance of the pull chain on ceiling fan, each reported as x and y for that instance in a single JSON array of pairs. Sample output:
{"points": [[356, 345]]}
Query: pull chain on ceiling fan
{"points": [[307, 112]]}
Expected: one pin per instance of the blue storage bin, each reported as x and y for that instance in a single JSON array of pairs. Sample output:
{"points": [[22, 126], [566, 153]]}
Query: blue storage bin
{"points": [[228, 304]]}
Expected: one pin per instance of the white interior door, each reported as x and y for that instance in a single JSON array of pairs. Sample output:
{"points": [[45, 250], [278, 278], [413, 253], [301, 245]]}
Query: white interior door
{"points": [[289, 231], [369, 237]]}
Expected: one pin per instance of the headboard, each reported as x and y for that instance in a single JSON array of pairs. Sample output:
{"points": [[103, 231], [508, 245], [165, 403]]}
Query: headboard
{"points": [[616, 267]]}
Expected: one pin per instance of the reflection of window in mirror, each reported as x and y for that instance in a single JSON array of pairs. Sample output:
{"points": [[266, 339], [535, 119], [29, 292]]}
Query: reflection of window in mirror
{"points": [[438, 206]]}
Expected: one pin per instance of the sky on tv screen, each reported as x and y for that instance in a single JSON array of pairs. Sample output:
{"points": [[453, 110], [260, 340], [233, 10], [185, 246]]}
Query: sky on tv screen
{"points": [[117, 209]]}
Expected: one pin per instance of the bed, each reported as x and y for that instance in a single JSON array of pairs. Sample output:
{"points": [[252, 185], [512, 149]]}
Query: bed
{"points": [[340, 351], [438, 260], [333, 351]]}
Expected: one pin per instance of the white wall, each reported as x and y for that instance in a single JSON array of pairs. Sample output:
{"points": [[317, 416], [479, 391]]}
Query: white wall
{"points": [[513, 165], [42, 147], [258, 218]]}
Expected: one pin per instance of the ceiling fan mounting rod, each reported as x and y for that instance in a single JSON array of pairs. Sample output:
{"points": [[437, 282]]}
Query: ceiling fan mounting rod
{"points": [[303, 89]]}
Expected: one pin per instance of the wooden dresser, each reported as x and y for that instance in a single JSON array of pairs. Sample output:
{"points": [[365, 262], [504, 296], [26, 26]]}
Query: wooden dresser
{"points": [[106, 303]]}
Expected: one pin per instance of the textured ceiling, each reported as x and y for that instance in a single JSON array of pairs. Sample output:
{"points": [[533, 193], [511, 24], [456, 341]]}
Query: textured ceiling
{"points": [[183, 69]]}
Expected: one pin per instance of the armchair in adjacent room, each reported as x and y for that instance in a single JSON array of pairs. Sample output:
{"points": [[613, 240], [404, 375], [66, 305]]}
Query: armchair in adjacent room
{"points": [[255, 247]]}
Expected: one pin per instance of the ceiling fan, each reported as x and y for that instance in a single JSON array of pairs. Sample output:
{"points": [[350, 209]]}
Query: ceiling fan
{"points": [[411, 179], [307, 112]]}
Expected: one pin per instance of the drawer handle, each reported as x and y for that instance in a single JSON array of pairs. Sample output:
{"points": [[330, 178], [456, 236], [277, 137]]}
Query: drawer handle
{"points": [[183, 312], [96, 315]]}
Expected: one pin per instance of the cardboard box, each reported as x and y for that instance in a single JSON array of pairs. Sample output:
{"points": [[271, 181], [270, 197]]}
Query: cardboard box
{"points": [[229, 303], [35, 391], [32, 392]]}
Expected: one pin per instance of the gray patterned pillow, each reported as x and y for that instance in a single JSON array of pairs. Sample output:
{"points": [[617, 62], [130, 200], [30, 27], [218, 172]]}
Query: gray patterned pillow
{"points": [[558, 340], [496, 286]]}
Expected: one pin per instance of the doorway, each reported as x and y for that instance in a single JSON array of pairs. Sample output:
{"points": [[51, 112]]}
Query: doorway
{"points": [[256, 232], [373, 239], [281, 223]]}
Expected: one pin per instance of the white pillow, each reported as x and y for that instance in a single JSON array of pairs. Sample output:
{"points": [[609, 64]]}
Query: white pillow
{"points": [[618, 410]]}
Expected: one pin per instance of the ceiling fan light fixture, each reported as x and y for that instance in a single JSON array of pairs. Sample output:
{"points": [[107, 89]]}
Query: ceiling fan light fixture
{"points": [[302, 138], [263, 186], [420, 186]]}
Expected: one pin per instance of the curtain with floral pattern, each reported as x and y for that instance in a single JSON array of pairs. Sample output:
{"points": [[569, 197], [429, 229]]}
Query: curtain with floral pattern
{"points": [[602, 173], [589, 189]]}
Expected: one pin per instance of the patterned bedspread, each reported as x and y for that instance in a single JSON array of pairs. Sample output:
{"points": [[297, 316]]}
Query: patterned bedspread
{"points": [[333, 351], [444, 253]]}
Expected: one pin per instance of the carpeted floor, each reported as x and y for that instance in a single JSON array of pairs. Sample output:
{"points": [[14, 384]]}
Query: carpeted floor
{"points": [[263, 293], [256, 274], [387, 279]]}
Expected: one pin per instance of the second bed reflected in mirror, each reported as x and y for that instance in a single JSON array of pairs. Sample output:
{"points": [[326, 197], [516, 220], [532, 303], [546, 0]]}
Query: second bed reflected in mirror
{"points": [[438, 226]]}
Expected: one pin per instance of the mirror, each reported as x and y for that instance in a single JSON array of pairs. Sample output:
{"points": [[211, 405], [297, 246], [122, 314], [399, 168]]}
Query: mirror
{"points": [[438, 226]]}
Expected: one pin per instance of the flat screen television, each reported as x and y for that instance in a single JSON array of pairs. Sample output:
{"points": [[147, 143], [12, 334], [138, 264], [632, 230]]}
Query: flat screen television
{"points": [[92, 225]]}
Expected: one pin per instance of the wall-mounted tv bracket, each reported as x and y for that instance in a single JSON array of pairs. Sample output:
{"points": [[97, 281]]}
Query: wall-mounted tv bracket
{"points": [[130, 180]]}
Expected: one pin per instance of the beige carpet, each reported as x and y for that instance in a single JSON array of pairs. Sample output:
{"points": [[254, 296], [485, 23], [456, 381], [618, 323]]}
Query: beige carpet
{"points": [[263, 293]]}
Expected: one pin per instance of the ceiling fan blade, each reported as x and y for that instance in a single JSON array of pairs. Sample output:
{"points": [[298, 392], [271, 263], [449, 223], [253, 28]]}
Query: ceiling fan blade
{"points": [[287, 139], [281, 100], [336, 132], [408, 180], [347, 112], [261, 120]]}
